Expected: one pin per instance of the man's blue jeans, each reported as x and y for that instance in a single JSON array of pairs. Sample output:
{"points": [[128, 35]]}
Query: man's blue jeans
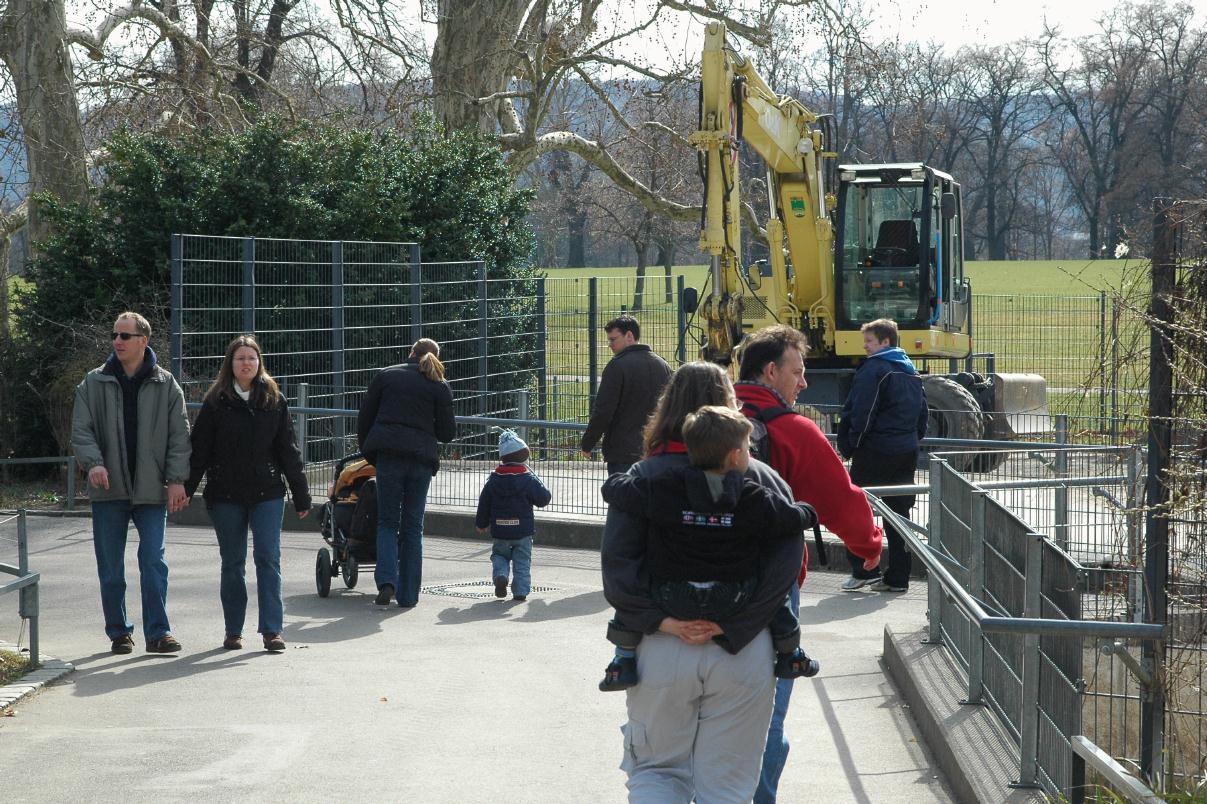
{"points": [[401, 498], [517, 553], [775, 754], [110, 524], [231, 521]]}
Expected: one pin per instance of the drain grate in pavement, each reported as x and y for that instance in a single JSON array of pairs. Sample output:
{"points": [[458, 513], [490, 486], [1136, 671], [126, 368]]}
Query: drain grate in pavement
{"points": [[473, 589]]}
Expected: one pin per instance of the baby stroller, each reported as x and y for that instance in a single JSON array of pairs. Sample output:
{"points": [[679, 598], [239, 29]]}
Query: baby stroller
{"points": [[349, 524]]}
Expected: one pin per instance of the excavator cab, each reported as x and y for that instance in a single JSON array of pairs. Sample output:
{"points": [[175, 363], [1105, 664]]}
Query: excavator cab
{"points": [[898, 254]]}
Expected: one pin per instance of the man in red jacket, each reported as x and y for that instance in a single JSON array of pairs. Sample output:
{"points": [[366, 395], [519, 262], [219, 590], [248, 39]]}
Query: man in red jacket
{"points": [[771, 374]]}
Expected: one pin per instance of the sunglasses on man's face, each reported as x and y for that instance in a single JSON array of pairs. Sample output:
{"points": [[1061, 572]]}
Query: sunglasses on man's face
{"points": [[125, 336]]}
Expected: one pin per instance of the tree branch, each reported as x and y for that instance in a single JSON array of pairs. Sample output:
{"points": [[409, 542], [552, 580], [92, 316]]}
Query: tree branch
{"points": [[598, 156]]}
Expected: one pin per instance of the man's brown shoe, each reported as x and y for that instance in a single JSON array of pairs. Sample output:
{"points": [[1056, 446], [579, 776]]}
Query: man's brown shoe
{"points": [[233, 642], [123, 644], [165, 644], [273, 643]]}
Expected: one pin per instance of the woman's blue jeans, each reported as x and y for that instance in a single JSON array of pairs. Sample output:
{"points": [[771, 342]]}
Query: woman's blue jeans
{"points": [[110, 523], [401, 498], [231, 522]]}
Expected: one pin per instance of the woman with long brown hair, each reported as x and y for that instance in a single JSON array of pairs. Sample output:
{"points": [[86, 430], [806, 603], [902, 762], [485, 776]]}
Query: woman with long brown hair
{"points": [[243, 441], [698, 718], [407, 412]]}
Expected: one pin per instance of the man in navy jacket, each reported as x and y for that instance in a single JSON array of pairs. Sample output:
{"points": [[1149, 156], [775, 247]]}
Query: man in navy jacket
{"points": [[881, 424]]}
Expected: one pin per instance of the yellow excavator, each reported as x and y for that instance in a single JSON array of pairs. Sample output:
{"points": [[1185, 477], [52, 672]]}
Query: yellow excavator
{"points": [[846, 244]]}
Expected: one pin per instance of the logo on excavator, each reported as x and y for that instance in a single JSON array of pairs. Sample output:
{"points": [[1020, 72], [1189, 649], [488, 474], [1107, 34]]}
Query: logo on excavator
{"points": [[799, 207]]}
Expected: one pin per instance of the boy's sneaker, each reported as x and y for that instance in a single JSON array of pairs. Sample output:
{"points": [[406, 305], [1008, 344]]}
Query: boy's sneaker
{"points": [[795, 665], [882, 586], [500, 586], [519, 598], [855, 582], [384, 594], [123, 644], [621, 674]]}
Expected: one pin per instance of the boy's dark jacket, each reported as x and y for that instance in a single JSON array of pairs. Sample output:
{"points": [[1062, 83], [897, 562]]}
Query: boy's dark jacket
{"points": [[406, 414], [243, 450], [626, 577], [886, 409], [693, 537], [506, 501]]}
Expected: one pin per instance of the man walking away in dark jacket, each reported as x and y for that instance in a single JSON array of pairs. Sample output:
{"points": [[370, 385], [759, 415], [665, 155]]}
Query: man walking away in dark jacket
{"points": [[628, 392], [882, 422], [505, 508]]}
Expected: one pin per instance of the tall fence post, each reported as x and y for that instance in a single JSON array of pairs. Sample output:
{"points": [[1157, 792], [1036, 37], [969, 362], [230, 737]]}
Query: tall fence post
{"points": [[934, 589], [976, 588], [1028, 716], [338, 344], [303, 419], [680, 320], [249, 284], [523, 408], [1060, 496], [177, 301], [1160, 441], [28, 600], [593, 338], [72, 468], [542, 350], [1114, 365], [1135, 531], [483, 341], [1102, 354], [416, 300]]}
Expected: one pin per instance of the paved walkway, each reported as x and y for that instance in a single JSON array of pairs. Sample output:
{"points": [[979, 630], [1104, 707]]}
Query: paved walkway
{"points": [[462, 699]]}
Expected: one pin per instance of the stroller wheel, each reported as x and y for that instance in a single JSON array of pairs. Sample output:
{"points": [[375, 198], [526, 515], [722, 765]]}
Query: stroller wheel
{"points": [[322, 572], [350, 570]]}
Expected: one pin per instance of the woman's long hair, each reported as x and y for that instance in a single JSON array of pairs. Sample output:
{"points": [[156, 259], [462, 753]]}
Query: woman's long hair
{"points": [[691, 387], [428, 352], [264, 391]]}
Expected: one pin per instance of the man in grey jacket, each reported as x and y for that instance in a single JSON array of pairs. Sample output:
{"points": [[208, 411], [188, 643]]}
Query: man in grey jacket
{"points": [[628, 393], [130, 433]]}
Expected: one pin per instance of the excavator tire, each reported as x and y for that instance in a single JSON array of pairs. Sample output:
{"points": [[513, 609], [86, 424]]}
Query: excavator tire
{"points": [[953, 413]]}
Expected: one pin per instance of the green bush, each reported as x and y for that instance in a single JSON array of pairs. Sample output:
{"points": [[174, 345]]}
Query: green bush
{"points": [[451, 194]]}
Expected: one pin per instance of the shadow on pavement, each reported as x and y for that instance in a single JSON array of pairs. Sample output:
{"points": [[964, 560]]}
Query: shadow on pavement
{"points": [[535, 610], [342, 616], [149, 668], [831, 608]]}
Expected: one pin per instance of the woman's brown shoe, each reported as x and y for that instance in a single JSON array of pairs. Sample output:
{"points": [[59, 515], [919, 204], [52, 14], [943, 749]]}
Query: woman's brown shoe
{"points": [[233, 642], [273, 643]]}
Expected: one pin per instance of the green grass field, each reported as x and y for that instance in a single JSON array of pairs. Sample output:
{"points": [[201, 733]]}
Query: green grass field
{"points": [[1041, 317]]}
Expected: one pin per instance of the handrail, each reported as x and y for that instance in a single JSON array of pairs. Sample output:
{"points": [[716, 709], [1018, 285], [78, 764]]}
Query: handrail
{"points": [[996, 624], [26, 584], [1131, 787]]}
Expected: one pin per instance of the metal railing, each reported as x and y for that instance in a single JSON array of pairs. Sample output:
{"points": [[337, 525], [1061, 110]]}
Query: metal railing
{"points": [[1007, 602], [26, 583], [70, 460]]}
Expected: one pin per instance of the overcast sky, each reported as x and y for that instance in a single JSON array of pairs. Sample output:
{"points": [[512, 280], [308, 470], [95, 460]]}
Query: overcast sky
{"points": [[993, 22]]}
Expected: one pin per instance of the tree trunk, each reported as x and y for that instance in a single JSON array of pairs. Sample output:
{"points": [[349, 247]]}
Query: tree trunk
{"points": [[576, 234], [473, 58], [666, 256], [639, 287], [32, 45]]}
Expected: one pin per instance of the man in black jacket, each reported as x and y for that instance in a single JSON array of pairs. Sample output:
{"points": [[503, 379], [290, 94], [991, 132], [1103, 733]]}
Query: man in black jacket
{"points": [[628, 392]]}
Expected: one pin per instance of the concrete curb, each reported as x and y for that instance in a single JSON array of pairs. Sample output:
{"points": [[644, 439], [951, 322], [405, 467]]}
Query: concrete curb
{"points": [[978, 759], [51, 670]]}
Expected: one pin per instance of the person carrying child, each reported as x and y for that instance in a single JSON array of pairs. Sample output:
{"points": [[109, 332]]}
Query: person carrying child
{"points": [[706, 522], [505, 509]]}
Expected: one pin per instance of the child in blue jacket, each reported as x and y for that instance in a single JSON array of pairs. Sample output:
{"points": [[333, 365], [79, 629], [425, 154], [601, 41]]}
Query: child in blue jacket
{"points": [[505, 507]]}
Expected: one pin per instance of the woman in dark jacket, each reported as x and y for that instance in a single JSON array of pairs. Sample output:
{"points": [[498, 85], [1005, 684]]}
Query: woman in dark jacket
{"points": [[243, 441], [407, 413]]}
